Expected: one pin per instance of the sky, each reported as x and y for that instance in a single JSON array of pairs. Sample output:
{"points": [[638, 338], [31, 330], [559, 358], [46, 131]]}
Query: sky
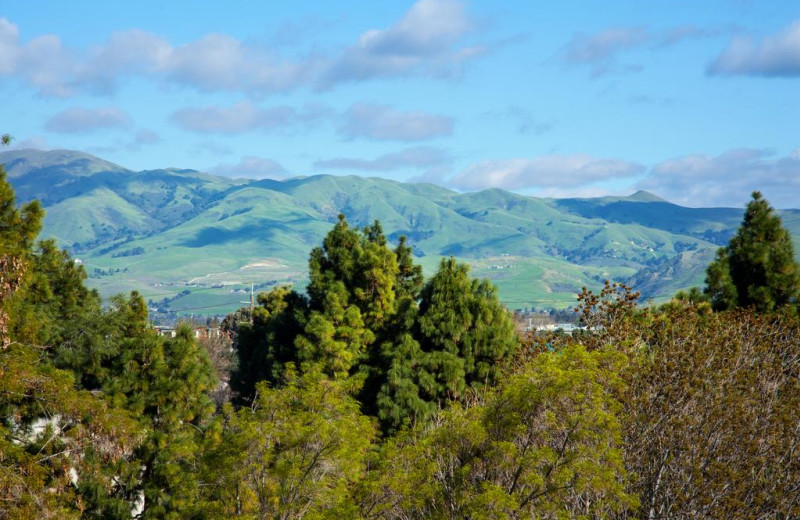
{"points": [[695, 101]]}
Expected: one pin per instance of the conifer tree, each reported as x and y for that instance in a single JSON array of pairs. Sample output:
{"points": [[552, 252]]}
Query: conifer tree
{"points": [[409, 275], [465, 329], [166, 383], [412, 348], [758, 267], [18, 230], [352, 296], [266, 345]]}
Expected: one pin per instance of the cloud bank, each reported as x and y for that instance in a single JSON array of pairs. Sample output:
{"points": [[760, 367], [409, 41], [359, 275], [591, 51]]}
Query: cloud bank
{"points": [[251, 167], [727, 179], [429, 40], [432, 162], [601, 51], [83, 120], [697, 180], [245, 117], [381, 122], [549, 171], [776, 55]]}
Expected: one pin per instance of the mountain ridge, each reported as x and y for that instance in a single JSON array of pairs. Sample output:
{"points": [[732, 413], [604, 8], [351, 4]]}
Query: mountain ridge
{"points": [[186, 225]]}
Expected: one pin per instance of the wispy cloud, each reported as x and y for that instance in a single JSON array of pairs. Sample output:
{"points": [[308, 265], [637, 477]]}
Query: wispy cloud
{"points": [[525, 120], [247, 117], [774, 55], [37, 142], [361, 120], [82, 120], [433, 162], [382, 122], [549, 171], [601, 51], [145, 137], [213, 63], [252, 168]]}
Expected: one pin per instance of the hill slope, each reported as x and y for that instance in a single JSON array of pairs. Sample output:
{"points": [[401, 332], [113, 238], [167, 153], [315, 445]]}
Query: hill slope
{"points": [[169, 231]]}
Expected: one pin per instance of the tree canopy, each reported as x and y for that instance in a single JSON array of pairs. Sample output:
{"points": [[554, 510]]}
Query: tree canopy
{"points": [[379, 395], [370, 316], [758, 267]]}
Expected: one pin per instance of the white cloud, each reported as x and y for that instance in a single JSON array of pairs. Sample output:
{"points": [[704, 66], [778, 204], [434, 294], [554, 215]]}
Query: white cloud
{"points": [[602, 46], [219, 62], [579, 193], [727, 179], [600, 51], [549, 171], [361, 120], [9, 46], [774, 55], [252, 168], [42, 62], [246, 117], [82, 120], [214, 62], [427, 40], [385, 123]]}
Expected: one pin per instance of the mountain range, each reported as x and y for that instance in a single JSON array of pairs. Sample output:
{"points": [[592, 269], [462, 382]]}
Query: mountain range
{"points": [[194, 242]]}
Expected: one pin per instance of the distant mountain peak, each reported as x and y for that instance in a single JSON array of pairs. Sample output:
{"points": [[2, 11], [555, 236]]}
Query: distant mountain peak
{"points": [[24, 160], [645, 196]]}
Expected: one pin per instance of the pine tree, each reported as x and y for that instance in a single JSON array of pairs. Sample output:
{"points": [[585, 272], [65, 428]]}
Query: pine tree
{"points": [[18, 230], [166, 383], [263, 348], [465, 328], [758, 267], [411, 348]]}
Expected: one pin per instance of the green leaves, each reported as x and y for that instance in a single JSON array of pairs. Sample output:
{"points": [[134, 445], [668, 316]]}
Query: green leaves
{"points": [[369, 317], [546, 443], [758, 266], [295, 454]]}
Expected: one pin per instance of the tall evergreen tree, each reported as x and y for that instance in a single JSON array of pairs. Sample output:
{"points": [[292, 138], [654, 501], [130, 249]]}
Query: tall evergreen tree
{"points": [[464, 327], [266, 345], [18, 230], [412, 347], [166, 383], [352, 296], [758, 267]]}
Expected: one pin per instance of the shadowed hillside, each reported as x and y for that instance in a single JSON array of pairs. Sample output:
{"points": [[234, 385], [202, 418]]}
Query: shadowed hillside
{"points": [[168, 230]]}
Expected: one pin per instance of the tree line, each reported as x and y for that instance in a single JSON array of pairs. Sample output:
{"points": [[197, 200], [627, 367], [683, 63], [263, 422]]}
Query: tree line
{"points": [[377, 394]]}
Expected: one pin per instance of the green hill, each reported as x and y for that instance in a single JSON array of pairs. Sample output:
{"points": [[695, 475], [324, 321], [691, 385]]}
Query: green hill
{"points": [[197, 239]]}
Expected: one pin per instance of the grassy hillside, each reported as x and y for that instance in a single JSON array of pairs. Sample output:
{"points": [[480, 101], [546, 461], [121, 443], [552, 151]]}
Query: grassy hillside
{"points": [[166, 232]]}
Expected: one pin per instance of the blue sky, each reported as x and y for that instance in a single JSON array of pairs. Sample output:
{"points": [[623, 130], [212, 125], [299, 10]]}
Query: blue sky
{"points": [[697, 102]]}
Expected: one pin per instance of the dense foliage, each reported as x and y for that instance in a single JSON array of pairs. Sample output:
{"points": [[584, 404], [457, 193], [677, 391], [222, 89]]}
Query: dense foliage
{"points": [[379, 395], [758, 266], [369, 316]]}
